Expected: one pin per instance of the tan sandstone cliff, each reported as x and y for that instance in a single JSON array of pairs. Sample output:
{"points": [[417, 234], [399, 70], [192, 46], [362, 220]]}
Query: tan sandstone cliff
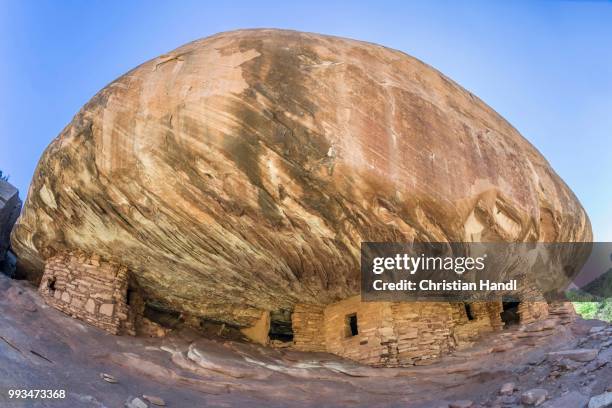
{"points": [[239, 173]]}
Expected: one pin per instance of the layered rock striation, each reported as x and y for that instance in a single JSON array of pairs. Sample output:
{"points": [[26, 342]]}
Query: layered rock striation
{"points": [[10, 206], [239, 173]]}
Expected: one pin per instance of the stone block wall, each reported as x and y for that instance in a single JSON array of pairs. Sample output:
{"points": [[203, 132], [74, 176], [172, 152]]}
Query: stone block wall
{"points": [[307, 322], [393, 334], [373, 344], [531, 311], [494, 310], [563, 311], [423, 331], [485, 317], [88, 289]]}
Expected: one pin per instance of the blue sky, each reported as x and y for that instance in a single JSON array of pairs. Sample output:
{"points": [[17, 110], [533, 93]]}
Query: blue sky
{"points": [[545, 66]]}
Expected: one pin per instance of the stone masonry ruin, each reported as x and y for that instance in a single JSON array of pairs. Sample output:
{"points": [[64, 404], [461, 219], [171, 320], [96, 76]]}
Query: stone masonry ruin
{"points": [[88, 289], [389, 334], [393, 334]]}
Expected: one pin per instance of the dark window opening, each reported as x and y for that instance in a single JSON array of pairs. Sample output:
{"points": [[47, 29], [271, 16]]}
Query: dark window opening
{"points": [[510, 315], [352, 329], [281, 328], [51, 285], [468, 311]]}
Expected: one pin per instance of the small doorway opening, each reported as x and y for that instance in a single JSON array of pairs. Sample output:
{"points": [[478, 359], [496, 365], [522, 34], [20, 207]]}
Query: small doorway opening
{"points": [[51, 285], [510, 315], [281, 327], [129, 296], [352, 327], [468, 311]]}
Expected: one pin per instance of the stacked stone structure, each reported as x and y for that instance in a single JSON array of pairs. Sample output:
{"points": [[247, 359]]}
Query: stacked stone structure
{"points": [[390, 334], [307, 322], [88, 289], [397, 334]]}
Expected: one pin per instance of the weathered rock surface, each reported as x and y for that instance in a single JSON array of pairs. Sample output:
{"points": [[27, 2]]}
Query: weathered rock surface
{"points": [[241, 172], [507, 389], [580, 355], [461, 404], [601, 401], [572, 399], [534, 397], [10, 206], [135, 403]]}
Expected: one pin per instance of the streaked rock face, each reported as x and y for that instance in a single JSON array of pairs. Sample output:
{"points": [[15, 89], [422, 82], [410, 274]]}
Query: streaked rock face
{"points": [[10, 205], [239, 173]]}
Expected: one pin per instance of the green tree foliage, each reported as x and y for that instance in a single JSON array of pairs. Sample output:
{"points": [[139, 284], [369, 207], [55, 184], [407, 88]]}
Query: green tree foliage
{"points": [[595, 310]]}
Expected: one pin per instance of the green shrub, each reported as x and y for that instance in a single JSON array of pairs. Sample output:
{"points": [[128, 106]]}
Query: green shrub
{"points": [[595, 310]]}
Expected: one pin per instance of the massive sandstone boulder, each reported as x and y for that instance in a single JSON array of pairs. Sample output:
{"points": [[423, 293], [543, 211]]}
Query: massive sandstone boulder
{"points": [[241, 172]]}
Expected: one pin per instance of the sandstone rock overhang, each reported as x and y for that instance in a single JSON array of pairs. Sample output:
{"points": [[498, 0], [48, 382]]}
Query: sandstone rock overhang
{"points": [[240, 173]]}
